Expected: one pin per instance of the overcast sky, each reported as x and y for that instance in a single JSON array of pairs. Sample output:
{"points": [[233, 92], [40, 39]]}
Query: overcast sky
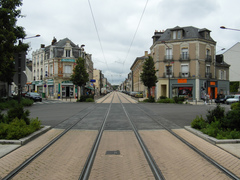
{"points": [[117, 23]]}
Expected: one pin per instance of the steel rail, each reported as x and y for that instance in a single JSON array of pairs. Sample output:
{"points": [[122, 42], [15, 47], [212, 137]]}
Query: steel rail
{"points": [[89, 162], [205, 156], [35, 155], [154, 167]]}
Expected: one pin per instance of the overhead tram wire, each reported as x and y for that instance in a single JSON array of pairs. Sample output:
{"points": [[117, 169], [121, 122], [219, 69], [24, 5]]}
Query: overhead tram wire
{"points": [[95, 25], [135, 34]]}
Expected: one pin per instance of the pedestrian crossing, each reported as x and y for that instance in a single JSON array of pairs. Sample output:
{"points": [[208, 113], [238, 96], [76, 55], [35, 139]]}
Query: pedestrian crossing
{"points": [[53, 102]]}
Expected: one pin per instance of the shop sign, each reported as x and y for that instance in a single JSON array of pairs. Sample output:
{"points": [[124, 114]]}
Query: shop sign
{"points": [[50, 82], [68, 60], [67, 83], [212, 83], [182, 80]]}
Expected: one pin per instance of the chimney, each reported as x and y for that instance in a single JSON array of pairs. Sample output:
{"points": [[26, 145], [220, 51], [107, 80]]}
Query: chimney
{"points": [[54, 40], [146, 53], [42, 45]]}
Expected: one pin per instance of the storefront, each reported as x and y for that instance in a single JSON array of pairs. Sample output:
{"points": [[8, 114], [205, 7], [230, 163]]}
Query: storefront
{"points": [[38, 86], [50, 87], [67, 89], [183, 88]]}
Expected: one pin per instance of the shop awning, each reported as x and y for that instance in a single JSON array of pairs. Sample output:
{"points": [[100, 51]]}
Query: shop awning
{"points": [[89, 87]]}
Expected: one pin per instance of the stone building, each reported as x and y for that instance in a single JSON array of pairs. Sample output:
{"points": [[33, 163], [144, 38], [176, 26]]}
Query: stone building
{"points": [[186, 64], [53, 66]]}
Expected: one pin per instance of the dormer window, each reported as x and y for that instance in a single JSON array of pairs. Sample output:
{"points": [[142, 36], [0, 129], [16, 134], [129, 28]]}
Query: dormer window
{"points": [[177, 34], [68, 53]]}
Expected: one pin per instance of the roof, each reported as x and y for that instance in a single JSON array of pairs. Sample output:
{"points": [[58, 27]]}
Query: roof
{"points": [[62, 43], [189, 32], [138, 59]]}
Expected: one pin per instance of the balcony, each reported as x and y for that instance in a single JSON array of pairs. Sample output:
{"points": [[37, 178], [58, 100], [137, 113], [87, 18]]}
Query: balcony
{"points": [[208, 75], [67, 75], [184, 74], [165, 75], [184, 57], [208, 58], [168, 58]]}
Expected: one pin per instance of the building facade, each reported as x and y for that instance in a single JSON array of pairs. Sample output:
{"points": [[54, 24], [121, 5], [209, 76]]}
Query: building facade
{"points": [[53, 66], [186, 64], [136, 70], [97, 76]]}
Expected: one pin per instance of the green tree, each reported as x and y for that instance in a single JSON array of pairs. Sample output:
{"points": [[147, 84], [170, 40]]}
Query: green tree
{"points": [[10, 33], [148, 75], [80, 75], [234, 86]]}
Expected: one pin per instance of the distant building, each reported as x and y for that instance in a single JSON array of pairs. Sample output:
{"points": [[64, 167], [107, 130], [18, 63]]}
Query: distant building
{"points": [[186, 64], [136, 69], [232, 56], [52, 67]]}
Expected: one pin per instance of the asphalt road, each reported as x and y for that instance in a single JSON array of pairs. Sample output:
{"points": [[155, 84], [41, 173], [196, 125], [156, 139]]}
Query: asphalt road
{"points": [[52, 114]]}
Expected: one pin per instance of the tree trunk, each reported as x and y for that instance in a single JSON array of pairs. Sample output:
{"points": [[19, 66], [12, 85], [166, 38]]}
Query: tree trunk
{"points": [[149, 92]]}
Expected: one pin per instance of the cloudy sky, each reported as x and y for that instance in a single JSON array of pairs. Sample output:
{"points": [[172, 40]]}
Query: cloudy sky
{"points": [[119, 36]]}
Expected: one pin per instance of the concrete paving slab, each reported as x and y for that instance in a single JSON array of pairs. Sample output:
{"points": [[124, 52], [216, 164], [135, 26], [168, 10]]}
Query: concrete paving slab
{"points": [[6, 148]]}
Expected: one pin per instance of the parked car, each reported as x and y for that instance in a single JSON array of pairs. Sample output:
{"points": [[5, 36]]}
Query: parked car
{"points": [[34, 96], [233, 100], [139, 95], [133, 93], [223, 99], [24, 93]]}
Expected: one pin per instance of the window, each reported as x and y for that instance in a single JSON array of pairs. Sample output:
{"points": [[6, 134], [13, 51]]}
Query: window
{"points": [[169, 53], [222, 74], [207, 69], [174, 34], [208, 74], [68, 69], [168, 69], [179, 34], [184, 70], [184, 55], [51, 70], [68, 53]]}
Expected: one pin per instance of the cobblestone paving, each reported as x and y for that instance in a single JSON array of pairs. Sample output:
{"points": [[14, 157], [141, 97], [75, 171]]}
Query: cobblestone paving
{"points": [[227, 160], [176, 160], [63, 160], [116, 99], [15, 158], [130, 164]]}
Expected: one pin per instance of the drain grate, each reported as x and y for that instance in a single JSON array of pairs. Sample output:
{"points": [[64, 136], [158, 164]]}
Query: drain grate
{"points": [[113, 152]]}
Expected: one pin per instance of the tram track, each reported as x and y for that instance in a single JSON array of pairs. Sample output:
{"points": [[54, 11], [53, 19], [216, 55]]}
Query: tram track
{"points": [[87, 168], [45, 147], [156, 171], [195, 149]]}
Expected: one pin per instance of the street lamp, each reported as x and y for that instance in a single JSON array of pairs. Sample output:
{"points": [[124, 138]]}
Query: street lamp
{"points": [[223, 27]]}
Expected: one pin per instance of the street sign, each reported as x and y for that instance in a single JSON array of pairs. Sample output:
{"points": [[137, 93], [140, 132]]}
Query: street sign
{"points": [[23, 78], [92, 80]]}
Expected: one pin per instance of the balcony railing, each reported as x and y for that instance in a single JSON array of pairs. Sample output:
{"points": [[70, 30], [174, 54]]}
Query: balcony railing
{"points": [[165, 75], [184, 57], [208, 58], [168, 58], [184, 74], [67, 75], [208, 75]]}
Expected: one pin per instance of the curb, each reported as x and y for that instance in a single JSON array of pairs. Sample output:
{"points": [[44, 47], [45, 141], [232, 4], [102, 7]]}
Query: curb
{"points": [[211, 139], [25, 140]]}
